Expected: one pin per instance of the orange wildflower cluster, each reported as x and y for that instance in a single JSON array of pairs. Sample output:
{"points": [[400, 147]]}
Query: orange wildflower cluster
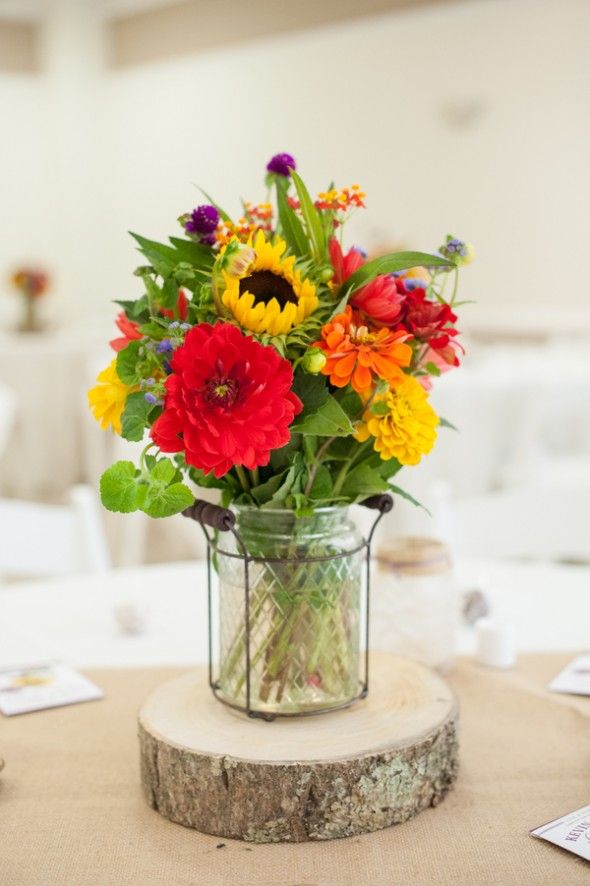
{"points": [[260, 214], [360, 355], [257, 217], [341, 201]]}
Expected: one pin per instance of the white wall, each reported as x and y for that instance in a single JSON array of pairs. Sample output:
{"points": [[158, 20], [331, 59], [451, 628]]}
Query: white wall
{"points": [[365, 101]]}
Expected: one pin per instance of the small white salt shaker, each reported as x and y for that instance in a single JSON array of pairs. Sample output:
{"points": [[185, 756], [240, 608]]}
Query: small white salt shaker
{"points": [[495, 643], [132, 617]]}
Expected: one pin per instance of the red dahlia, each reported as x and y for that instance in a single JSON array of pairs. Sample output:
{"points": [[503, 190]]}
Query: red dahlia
{"points": [[228, 401]]}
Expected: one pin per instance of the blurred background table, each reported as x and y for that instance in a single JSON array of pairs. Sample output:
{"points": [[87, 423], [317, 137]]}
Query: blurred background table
{"points": [[73, 619]]}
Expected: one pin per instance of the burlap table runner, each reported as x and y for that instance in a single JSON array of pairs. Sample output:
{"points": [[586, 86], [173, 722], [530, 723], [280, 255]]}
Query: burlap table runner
{"points": [[71, 810]]}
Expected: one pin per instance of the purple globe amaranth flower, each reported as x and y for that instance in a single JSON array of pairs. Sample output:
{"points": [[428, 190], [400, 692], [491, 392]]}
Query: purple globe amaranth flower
{"points": [[281, 164], [202, 220]]}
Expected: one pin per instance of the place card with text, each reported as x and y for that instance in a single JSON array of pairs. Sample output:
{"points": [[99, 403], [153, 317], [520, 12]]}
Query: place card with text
{"points": [[571, 832], [35, 688], [575, 678]]}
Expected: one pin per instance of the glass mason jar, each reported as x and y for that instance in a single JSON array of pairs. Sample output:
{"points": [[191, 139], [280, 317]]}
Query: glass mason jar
{"points": [[414, 602], [304, 613]]}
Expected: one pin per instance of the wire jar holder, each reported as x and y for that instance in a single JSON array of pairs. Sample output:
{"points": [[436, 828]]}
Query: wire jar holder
{"points": [[223, 520]]}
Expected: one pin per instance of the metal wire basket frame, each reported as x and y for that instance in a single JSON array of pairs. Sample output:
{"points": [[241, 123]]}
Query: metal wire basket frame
{"points": [[210, 516]]}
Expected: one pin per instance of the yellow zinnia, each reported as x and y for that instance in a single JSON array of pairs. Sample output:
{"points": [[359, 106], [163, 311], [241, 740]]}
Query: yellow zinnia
{"points": [[407, 430], [107, 398], [269, 294]]}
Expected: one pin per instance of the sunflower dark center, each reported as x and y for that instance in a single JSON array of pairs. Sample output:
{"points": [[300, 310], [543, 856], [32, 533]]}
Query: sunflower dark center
{"points": [[264, 286]]}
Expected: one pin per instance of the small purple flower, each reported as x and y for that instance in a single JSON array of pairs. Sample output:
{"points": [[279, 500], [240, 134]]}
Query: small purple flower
{"points": [[281, 164], [167, 367], [165, 346], [150, 382], [415, 283], [203, 220], [151, 398]]}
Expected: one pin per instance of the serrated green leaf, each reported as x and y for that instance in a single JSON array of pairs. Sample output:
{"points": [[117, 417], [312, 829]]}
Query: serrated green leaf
{"points": [[135, 417], [313, 224], [163, 471], [389, 264], [164, 501], [127, 360], [119, 488], [329, 420]]}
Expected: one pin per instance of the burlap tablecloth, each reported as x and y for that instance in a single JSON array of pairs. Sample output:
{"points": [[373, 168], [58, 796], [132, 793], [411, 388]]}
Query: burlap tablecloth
{"points": [[72, 813]]}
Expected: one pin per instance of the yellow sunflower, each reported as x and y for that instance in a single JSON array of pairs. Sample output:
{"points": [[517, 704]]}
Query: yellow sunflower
{"points": [[107, 398], [407, 430], [268, 295]]}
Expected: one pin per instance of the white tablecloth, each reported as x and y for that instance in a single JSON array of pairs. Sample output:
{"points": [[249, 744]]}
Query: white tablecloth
{"points": [[52, 434], [73, 619]]}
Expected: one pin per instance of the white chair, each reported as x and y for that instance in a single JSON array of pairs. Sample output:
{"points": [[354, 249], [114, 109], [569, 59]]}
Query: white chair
{"points": [[47, 540]]}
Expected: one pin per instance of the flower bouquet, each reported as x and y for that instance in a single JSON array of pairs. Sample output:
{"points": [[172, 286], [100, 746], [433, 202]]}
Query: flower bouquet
{"points": [[267, 361], [31, 284]]}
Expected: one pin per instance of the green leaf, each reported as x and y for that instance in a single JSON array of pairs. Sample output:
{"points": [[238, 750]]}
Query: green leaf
{"points": [[265, 491], [329, 420], [362, 482], [162, 257], [292, 228], [135, 417], [403, 494], [445, 423], [283, 457], [387, 467], [164, 471], [322, 485], [193, 253], [312, 390], [127, 360], [164, 501], [313, 224], [169, 295], [433, 369], [388, 264], [288, 482], [119, 488]]}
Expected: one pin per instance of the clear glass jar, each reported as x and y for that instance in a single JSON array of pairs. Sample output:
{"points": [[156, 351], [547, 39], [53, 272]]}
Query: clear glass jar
{"points": [[304, 613], [414, 605]]}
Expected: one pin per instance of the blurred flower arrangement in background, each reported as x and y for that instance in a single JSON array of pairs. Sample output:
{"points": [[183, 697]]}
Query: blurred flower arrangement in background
{"points": [[274, 364], [31, 284]]}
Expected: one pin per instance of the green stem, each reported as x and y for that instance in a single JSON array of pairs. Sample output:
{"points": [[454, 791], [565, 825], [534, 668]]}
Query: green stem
{"points": [[242, 478], [456, 284]]}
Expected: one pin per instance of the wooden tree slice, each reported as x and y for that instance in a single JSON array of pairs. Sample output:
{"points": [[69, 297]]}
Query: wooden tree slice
{"points": [[313, 778]]}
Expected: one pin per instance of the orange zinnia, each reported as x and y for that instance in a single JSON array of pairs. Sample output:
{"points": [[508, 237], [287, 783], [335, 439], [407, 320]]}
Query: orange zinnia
{"points": [[357, 353]]}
